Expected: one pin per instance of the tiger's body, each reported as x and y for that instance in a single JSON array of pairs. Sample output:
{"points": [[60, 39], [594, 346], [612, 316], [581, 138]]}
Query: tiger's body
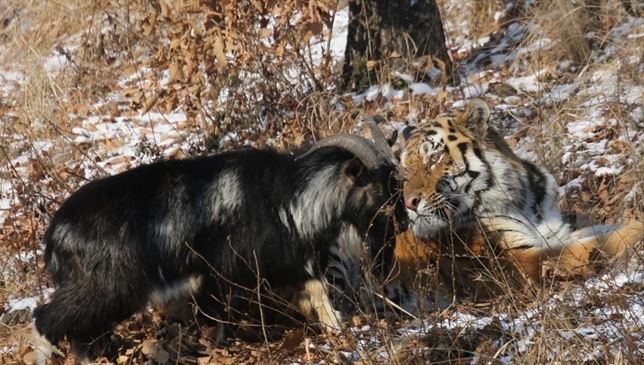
{"points": [[474, 205]]}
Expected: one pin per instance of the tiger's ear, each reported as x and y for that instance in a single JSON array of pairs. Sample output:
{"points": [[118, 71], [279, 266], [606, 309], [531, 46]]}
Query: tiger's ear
{"points": [[476, 116], [408, 132], [403, 139], [396, 144]]}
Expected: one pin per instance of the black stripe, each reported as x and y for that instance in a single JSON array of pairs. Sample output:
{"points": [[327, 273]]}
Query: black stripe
{"points": [[463, 148], [537, 181], [490, 178], [509, 218], [505, 230], [522, 247], [477, 152], [408, 131]]}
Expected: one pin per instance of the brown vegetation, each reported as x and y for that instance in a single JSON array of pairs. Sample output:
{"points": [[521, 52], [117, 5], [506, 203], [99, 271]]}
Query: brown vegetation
{"points": [[93, 88]]}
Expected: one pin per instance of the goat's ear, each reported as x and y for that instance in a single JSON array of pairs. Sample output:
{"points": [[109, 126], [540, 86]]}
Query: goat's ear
{"points": [[354, 169], [475, 117]]}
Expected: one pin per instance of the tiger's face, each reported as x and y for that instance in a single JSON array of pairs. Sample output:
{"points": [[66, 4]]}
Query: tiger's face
{"points": [[445, 170]]}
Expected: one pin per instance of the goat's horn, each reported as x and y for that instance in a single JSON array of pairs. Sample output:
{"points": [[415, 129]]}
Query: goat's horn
{"points": [[380, 140], [358, 146]]}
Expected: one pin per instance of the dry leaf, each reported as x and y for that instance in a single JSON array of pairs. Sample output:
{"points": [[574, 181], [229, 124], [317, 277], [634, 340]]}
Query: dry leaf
{"points": [[313, 28], [218, 49], [154, 351], [266, 33], [175, 73], [204, 360], [28, 358], [292, 340], [149, 103]]}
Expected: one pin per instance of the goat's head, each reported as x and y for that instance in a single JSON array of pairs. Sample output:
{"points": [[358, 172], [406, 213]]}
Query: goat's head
{"points": [[373, 176]]}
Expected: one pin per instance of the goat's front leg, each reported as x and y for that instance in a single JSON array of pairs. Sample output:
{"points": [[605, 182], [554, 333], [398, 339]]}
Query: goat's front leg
{"points": [[314, 302]]}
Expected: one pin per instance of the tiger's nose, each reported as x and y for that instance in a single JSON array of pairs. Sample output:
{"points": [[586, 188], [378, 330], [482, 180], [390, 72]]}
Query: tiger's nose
{"points": [[412, 202]]}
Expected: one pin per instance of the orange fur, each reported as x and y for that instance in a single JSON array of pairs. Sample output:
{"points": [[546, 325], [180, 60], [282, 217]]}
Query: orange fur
{"points": [[467, 265], [467, 255], [463, 261]]}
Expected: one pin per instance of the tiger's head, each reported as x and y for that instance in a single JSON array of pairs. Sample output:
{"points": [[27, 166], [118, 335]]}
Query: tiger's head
{"points": [[445, 169]]}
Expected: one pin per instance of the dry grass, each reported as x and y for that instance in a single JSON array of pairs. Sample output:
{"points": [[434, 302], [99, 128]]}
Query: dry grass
{"points": [[571, 34], [117, 66]]}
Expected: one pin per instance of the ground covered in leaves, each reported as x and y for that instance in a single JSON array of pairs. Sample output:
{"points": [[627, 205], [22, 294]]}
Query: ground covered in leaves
{"points": [[89, 89]]}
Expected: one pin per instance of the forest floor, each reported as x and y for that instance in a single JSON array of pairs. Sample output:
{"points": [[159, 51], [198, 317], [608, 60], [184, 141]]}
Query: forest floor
{"points": [[89, 89]]}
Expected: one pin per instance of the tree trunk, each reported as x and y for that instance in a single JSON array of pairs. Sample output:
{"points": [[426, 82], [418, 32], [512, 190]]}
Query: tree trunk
{"points": [[384, 30]]}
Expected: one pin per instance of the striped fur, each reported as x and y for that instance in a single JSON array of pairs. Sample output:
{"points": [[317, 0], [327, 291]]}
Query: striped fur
{"points": [[466, 186]]}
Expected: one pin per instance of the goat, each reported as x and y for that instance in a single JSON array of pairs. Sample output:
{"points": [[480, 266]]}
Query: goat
{"points": [[207, 227]]}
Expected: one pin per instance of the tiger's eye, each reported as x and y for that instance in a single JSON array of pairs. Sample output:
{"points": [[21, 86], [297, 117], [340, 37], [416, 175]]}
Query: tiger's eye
{"points": [[424, 149]]}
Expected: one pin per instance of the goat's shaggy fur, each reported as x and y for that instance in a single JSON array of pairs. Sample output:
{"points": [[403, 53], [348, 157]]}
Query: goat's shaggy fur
{"points": [[207, 227]]}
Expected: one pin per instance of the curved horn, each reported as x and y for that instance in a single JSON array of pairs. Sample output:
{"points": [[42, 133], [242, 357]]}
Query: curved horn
{"points": [[380, 140], [360, 147]]}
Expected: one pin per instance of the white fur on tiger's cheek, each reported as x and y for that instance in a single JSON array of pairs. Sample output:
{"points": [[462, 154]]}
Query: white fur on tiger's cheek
{"points": [[424, 222], [427, 227], [412, 215]]}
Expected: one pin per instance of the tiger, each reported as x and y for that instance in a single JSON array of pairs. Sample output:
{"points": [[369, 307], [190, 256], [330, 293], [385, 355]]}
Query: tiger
{"points": [[473, 204]]}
